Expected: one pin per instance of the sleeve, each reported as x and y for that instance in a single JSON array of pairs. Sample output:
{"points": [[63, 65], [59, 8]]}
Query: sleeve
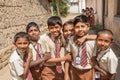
{"points": [[18, 67], [45, 46], [95, 50], [112, 64]]}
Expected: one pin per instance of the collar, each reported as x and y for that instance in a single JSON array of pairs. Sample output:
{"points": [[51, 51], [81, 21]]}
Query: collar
{"points": [[20, 54]]}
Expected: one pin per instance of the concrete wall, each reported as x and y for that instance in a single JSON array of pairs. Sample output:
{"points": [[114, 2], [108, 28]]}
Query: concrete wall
{"points": [[14, 16], [112, 22]]}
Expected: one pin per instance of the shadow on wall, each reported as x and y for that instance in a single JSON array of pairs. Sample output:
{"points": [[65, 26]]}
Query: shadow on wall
{"points": [[45, 4]]}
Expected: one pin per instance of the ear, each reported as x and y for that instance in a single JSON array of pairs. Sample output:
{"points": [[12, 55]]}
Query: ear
{"points": [[112, 43], [13, 42]]}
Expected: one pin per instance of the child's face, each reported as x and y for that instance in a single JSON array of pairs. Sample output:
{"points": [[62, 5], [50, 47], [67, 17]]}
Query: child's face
{"points": [[55, 30], [22, 44], [34, 33], [104, 41], [81, 29], [68, 31]]}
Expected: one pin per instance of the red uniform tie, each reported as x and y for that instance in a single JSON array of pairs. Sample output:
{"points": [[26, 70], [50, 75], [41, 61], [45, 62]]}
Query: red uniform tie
{"points": [[37, 68], [84, 56], [58, 64]]}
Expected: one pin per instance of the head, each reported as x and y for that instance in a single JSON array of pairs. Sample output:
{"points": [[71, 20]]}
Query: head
{"points": [[81, 25], [21, 41], [68, 29], [104, 39], [33, 30], [54, 25]]}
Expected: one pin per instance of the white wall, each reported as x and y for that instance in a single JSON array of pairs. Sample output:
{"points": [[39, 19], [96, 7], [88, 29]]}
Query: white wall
{"points": [[75, 8]]}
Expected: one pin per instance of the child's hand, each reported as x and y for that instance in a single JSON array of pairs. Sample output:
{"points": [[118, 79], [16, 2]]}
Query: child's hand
{"points": [[80, 41], [47, 56], [68, 56]]}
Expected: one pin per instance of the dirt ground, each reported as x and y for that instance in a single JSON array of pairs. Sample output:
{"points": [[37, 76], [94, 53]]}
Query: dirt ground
{"points": [[5, 72]]}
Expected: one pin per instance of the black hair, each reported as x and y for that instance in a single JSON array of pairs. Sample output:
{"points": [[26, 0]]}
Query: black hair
{"points": [[70, 22], [21, 35], [106, 31], [54, 20], [81, 18], [31, 24]]}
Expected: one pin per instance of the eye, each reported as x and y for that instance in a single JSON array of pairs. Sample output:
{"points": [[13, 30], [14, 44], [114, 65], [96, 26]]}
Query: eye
{"points": [[82, 26]]}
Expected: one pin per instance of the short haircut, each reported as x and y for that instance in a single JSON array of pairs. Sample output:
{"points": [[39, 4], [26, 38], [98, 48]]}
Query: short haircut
{"points": [[106, 31], [81, 18], [31, 24], [53, 20], [70, 22], [21, 35]]}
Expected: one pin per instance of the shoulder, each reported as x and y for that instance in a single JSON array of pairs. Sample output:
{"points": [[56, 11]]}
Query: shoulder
{"points": [[14, 56], [111, 54], [43, 36], [91, 43]]}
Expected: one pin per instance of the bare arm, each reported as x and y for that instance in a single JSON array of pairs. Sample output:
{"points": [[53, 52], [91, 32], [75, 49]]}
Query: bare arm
{"points": [[67, 57], [67, 77], [28, 58], [84, 38], [47, 56]]}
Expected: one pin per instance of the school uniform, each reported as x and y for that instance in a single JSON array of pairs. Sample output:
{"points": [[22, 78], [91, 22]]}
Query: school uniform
{"points": [[36, 70], [16, 64], [108, 61], [80, 72], [49, 70]]}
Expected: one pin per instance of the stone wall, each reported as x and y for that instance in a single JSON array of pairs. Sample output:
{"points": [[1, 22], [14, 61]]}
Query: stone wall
{"points": [[14, 16]]}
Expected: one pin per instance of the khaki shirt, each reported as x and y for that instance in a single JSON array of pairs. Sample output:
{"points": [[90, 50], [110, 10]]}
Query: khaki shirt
{"points": [[16, 64], [34, 52], [49, 46], [73, 48], [108, 61]]}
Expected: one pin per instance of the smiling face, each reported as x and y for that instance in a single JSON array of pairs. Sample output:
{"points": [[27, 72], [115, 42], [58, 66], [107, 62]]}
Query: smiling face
{"points": [[22, 44], [81, 29], [68, 31], [55, 30], [34, 33], [104, 41]]}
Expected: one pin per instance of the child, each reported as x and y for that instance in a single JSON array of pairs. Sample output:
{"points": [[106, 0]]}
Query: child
{"points": [[52, 70], [81, 54], [37, 49], [107, 61], [20, 59], [68, 30]]}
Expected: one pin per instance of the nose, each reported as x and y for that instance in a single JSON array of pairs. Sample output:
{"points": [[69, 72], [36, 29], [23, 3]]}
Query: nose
{"points": [[102, 43], [54, 29], [69, 32]]}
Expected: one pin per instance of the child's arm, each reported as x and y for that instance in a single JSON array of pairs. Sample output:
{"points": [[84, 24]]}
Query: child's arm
{"points": [[27, 59], [102, 72], [67, 57], [38, 62], [66, 71], [79, 41]]}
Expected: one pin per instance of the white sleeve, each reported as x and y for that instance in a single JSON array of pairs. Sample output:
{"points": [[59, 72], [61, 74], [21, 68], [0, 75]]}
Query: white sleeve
{"points": [[19, 67], [112, 64]]}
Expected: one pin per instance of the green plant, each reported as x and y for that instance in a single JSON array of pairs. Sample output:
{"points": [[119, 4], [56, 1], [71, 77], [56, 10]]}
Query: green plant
{"points": [[60, 7]]}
